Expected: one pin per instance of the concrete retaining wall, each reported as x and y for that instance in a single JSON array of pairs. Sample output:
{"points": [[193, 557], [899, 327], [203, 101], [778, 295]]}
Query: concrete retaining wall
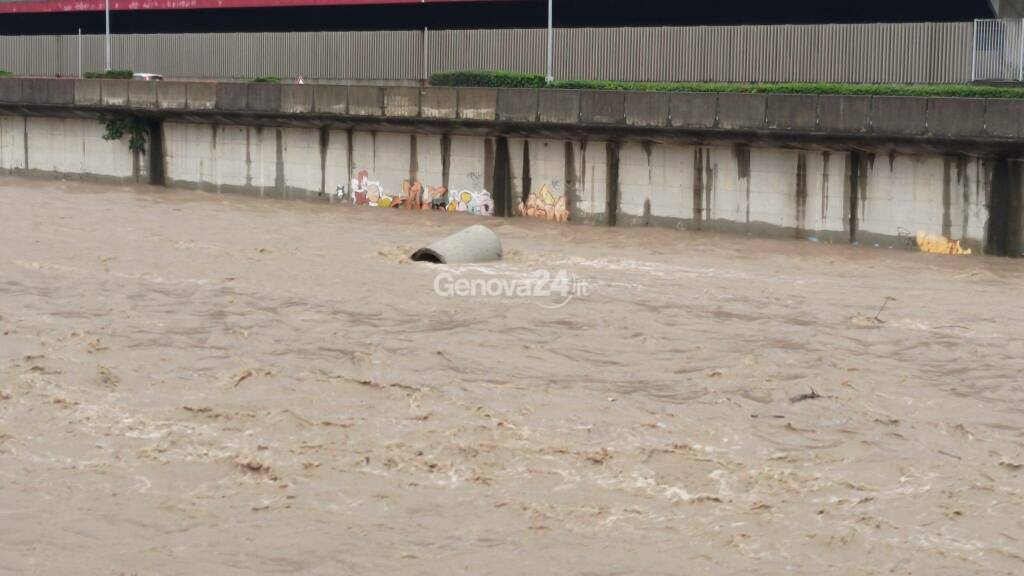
{"points": [[826, 195], [328, 164], [68, 148], [691, 161], [281, 162], [804, 193]]}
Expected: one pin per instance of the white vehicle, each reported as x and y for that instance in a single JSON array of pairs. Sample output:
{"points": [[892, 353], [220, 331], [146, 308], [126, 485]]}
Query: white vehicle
{"points": [[146, 76]]}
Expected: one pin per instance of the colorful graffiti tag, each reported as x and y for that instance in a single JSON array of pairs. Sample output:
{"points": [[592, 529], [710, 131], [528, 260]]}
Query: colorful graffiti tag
{"points": [[366, 192], [425, 197], [545, 206], [416, 196], [479, 203], [422, 197], [542, 204]]}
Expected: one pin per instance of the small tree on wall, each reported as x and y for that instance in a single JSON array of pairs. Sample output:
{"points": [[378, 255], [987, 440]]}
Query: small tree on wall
{"points": [[134, 126]]}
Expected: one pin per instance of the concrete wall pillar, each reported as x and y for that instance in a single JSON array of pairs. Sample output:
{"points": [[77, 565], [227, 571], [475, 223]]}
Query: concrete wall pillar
{"points": [[1005, 231]]}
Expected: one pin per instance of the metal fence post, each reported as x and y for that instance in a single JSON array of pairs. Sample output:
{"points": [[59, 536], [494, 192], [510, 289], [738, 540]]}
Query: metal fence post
{"points": [[106, 13], [551, 39], [1020, 58], [974, 53]]}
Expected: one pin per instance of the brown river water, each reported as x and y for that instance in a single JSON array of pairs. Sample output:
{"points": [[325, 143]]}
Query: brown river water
{"points": [[203, 384]]}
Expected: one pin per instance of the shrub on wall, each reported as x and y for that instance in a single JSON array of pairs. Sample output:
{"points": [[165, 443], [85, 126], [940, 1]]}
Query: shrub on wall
{"points": [[266, 80], [111, 74], [5, 73], [116, 126], [499, 79], [488, 79]]}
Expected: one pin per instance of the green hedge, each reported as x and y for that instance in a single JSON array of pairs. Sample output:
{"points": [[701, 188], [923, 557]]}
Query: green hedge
{"points": [[111, 74], [488, 78], [266, 80], [499, 79], [5, 73]]}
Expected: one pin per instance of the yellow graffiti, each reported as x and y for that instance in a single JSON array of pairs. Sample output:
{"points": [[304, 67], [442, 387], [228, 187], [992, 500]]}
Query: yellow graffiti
{"points": [[940, 245], [543, 205]]}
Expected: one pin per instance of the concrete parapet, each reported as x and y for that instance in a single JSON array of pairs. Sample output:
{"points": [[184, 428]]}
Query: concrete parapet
{"points": [[844, 113], [478, 103], [742, 111], [956, 117], [114, 92], [171, 95], [792, 112], [517, 104], [899, 115], [439, 103], [693, 109], [33, 90], [87, 92], [262, 97], [61, 91], [142, 94], [330, 99], [10, 90], [603, 107], [1003, 118], [647, 108], [231, 96], [559, 106], [879, 117], [201, 96], [365, 100], [401, 102], [296, 98]]}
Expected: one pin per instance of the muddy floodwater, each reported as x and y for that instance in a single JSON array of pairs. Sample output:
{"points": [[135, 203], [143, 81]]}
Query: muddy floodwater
{"points": [[203, 384]]}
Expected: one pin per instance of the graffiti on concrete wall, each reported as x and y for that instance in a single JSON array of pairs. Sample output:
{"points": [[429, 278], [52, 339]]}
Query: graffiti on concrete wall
{"points": [[366, 192], [415, 196], [422, 197], [479, 203], [545, 205]]}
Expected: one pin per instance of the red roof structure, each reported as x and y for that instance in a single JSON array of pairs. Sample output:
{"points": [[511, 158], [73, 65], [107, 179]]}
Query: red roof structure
{"points": [[37, 6]]}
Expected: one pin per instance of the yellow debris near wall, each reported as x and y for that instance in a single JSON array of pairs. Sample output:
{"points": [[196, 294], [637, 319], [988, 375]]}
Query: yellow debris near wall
{"points": [[940, 245]]}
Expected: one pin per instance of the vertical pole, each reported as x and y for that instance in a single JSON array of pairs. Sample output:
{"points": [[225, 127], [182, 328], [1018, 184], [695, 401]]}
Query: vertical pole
{"points": [[551, 36], [426, 30], [79, 52], [106, 13], [974, 53], [1020, 58]]}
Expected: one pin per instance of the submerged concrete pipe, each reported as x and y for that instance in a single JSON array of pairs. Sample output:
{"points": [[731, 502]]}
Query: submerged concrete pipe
{"points": [[474, 244]]}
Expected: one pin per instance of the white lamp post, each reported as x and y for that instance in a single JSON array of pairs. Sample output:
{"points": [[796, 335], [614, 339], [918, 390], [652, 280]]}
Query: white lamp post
{"points": [[551, 36], [106, 12]]}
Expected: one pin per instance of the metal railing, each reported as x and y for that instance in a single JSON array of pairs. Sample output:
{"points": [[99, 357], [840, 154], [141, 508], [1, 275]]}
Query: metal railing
{"points": [[998, 51], [861, 53]]}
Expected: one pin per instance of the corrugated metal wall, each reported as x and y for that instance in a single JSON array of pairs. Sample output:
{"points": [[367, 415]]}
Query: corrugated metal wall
{"points": [[999, 50], [899, 53]]}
